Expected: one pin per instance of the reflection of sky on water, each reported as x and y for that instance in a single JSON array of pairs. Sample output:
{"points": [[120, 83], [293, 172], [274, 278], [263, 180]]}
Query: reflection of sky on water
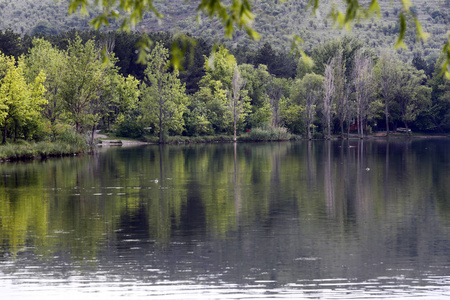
{"points": [[104, 288]]}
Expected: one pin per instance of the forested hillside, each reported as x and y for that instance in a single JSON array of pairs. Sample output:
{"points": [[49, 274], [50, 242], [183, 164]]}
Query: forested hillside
{"points": [[276, 21], [347, 85]]}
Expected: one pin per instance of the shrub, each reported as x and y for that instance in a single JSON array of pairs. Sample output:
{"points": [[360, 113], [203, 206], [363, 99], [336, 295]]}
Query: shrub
{"points": [[67, 135], [26, 150], [267, 133]]}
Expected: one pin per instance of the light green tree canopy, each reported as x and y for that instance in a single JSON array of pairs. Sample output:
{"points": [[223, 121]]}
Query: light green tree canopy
{"points": [[53, 62], [20, 102], [164, 97]]}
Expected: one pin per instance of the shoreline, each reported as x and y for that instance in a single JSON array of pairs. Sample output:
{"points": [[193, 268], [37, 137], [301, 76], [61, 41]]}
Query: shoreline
{"points": [[126, 143], [29, 152]]}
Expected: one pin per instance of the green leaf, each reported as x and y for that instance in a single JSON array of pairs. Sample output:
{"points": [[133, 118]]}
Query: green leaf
{"points": [[99, 21], [445, 66], [419, 31], [314, 4], [297, 50], [143, 47], [402, 31], [406, 5], [179, 49], [374, 8]]}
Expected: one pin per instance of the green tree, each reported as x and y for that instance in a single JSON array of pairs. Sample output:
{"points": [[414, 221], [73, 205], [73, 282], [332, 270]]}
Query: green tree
{"points": [[257, 84], [328, 93], [53, 62], [11, 43], [124, 110], [387, 75], [212, 100], [438, 116], [275, 91], [291, 113], [219, 66], [164, 99], [341, 90], [211, 108], [86, 84], [364, 87], [239, 101], [20, 102], [412, 96], [304, 67], [308, 91]]}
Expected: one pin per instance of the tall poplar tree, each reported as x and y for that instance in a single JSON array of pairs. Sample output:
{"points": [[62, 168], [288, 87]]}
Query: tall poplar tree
{"points": [[237, 99], [308, 91], [328, 93], [387, 74], [364, 87]]}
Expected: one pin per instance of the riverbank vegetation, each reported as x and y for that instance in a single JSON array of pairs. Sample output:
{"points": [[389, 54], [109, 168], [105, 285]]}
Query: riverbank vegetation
{"points": [[54, 84]]}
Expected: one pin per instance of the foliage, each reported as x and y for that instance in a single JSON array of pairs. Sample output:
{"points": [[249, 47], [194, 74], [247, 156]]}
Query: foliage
{"points": [[20, 102], [387, 75], [307, 92], [266, 133], [43, 57], [83, 83], [164, 99], [276, 23], [291, 116], [257, 85], [213, 104], [68, 91], [239, 13], [412, 97], [41, 149]]}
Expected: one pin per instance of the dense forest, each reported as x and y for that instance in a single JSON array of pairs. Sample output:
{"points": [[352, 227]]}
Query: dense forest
{"points": [[53, 84], [276, 21]]}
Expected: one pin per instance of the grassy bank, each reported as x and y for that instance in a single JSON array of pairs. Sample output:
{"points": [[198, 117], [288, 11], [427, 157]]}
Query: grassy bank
{"points": [[264, 134], [178, 139], [31, 150], [268, 133]]}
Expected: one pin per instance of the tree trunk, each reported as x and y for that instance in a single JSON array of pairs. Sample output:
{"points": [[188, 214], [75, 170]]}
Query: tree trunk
{"points": [[361, 136], [92, 135], [328, 127], [160, 120], [308, 129], [160, 132], [4, 132], [234, 124], [386, 112], [407, 129], [348, 128], [15, 131]]}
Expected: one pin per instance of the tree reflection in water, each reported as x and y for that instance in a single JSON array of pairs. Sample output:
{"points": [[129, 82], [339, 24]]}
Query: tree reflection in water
{"points": [[271, 213]]}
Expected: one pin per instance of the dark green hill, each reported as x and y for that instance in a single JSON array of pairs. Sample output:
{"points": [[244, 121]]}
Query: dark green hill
{"points": [[276, 21]]}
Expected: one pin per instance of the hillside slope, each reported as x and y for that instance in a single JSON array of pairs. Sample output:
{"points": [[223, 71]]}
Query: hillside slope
{"points": [[276, 21]]}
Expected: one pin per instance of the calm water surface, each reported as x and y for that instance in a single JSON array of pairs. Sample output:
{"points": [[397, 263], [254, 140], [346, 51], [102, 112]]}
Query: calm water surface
{"points": [[315, 220]]}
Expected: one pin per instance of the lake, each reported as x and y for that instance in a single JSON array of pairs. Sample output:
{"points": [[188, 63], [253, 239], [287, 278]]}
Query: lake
{"points": [[301, 220]]}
